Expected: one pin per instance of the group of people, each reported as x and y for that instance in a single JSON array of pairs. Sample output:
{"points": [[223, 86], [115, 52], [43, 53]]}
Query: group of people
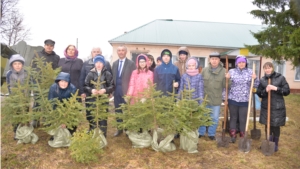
{"points": [[129, 78]]}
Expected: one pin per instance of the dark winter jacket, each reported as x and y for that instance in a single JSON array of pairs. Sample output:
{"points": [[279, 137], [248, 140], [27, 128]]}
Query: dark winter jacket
{"points": [[104, 76], [56, 92], [164, 75], [278, 111], [86, 67], [52, 58], [73, 67]]}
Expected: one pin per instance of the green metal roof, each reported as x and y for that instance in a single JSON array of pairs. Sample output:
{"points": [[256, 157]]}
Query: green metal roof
{"points": [[191, 33]]}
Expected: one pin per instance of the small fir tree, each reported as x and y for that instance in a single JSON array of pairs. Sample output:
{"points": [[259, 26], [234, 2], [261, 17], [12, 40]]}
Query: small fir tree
{"points": [[67, 112], [43, 77], [99, 108], [17, 109], [84, 147], [79, 149]]}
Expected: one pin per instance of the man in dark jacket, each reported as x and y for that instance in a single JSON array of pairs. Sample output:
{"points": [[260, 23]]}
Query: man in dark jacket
{"points": [[121, 69], [48, 54], [50, 57], [88, 65]]}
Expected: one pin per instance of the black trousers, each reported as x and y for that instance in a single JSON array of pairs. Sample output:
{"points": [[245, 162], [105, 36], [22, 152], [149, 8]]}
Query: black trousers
{"points": [[275, 131], [118, 99], [238, 114]]}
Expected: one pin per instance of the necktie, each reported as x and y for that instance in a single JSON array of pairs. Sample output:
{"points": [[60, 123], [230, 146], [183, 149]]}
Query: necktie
{"points": [[120, 66]]}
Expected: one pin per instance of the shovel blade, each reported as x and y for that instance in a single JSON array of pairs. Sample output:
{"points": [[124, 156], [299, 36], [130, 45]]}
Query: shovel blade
{"points": [[245, 145], [267, 147], [255, 134], [223, 142]]}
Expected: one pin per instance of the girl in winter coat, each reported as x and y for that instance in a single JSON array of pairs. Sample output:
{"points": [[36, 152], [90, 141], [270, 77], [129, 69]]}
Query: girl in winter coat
{"points": [[62, 89], [139, 77], [107, 88], [14, 75], [192, 79], [71, 64], [278, 88], [238, 95]]}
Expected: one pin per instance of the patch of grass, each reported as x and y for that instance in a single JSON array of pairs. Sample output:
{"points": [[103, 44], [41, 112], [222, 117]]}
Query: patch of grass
{"points": [[120, 154]]}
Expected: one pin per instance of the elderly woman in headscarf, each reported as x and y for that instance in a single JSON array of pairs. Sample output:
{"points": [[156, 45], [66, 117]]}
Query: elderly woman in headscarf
{"points": [[71, 64]]}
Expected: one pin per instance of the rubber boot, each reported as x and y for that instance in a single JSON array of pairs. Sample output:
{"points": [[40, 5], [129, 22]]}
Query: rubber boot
{"points": [[15, 127], [104, 130], [276, 140], [271, 138], [242, 134], [232, 133]]}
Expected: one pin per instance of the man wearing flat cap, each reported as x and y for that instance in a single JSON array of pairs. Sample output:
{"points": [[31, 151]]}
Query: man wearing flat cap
{"points": [[214, 81], [48, 54]]}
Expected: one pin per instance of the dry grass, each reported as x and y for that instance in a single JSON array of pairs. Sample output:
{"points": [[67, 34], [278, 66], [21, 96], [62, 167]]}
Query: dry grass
{"points": [[120, 154]]}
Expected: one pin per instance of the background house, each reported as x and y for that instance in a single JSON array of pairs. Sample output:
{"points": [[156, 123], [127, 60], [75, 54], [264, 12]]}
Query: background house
{"points": [[201, 38]]}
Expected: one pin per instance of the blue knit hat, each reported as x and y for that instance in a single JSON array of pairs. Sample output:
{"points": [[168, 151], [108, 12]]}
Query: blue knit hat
{"points": [[99, 58]]}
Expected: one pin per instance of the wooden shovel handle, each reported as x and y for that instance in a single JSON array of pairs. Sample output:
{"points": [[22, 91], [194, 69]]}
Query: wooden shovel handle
{"points": [[250, 98], [226, 96], [269, 109]]}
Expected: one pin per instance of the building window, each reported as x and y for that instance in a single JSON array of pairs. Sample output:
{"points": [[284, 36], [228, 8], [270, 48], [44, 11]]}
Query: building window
{"points": [[174, 59], [279, 67], [201, 60], [297, 73], [257, 65]]}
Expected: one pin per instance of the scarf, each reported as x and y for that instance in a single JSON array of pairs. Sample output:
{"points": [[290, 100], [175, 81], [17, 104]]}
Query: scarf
{"points": [[192, 72]]}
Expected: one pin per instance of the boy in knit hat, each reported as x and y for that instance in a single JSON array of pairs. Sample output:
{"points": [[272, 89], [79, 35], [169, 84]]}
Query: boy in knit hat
{"points": [[166, 73], [99, 71], [14, 75]]}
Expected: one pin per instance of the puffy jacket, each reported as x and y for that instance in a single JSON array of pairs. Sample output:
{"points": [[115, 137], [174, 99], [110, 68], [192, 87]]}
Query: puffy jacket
{"points": [[52, 58], [181, 64], [12, 76], [86, 67], [57, 92], [278, 111], [105, 76], [214, 82], [164, 76], [240, 84], [139, 80], [73, 67], [194, 82]]}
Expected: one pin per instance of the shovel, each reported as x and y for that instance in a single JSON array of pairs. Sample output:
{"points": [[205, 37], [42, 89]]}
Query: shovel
{"points": [[224, 141], [268, 147], [255, 133], [245, 143]]}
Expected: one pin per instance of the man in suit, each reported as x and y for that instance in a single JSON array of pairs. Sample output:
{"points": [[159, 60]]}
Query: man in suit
{"points": [[121, 70]]}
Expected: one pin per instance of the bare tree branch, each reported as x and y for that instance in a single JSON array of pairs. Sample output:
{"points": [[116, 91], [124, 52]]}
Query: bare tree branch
{"points": [[12, 29]]}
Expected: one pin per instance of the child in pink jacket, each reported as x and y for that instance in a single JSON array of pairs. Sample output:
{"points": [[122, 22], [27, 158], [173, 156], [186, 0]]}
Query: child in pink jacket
{"points": [[139, 77]]}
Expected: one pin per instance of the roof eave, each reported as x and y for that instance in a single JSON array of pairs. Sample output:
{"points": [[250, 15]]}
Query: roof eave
{"points": [[168, 44]]}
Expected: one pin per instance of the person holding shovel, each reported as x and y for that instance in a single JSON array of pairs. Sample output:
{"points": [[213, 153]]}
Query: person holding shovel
{"points": [[278, 88], [238, 96], [214, 81]]}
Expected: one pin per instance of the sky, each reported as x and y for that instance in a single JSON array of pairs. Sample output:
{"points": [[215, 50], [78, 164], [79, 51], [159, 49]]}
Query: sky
{"points": [[95, 22]]}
